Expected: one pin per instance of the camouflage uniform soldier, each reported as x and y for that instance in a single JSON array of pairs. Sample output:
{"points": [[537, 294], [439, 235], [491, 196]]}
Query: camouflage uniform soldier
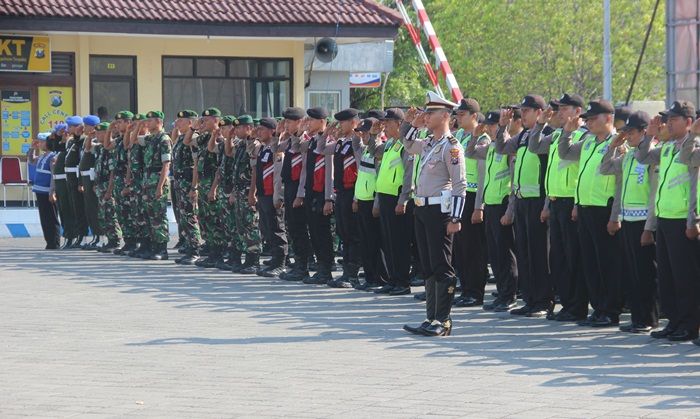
{"points": [[118, 166], [106, 212], [134, 190], [157, 154], [183, 164], [202, 180], [223, 186], [247, 236]]}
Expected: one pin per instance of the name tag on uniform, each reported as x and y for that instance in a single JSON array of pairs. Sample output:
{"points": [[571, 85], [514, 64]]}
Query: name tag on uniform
{"points": [[346, 148], [264, 157], [446, 202]]}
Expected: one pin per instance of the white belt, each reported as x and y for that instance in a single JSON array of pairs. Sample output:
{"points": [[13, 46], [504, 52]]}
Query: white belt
{"points": [[84, 173], [71, 170], [421, 202], [59, 177]]}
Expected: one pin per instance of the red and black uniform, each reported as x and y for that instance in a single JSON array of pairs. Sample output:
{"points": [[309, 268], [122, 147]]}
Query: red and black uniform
{"points": [[297, 227], [271, 224], [344, 177], [315, 198]]}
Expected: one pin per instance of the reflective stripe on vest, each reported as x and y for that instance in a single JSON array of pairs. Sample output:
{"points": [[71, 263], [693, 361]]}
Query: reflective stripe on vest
{"points": [[594, 188], [497, 180], [562, 175], [471, 165], [635, 189], [391, 170], [673, 192], [366, 178], [526, 177]]}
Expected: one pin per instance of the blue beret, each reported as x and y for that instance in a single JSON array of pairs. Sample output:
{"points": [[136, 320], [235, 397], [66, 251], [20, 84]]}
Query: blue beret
{"points": [[91, 120], [74, 120], [60, 126], [42, 136]]}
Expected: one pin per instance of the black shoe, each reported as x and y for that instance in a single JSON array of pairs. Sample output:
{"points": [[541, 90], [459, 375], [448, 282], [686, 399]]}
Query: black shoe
{"points": [[468, 302], [437, 328], [522, 311], [420, 296], [135, 249], [503, 306], [295, 275], [127, 247], [160, 252], [565, 316], [188, 260], [109, 247], [319, 278], [384, 289], [588, 321], [144, 251], [365, 286], [400, 291], [605, 321], [223, 265], [272, 271], [416, 281], [67, 244], [210, 261], [539, 311], [682, 336], [662, 334], [343, 281], [635, 328], [417, 330], [78, 243], [696, 342], [251, 264]]}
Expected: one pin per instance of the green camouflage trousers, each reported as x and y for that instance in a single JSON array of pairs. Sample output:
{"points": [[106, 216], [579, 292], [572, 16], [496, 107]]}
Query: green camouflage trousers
{"points": [[139, 215], [107, 214], [124, 209], [156, 209], [188, 223], [210, 220], [229, 218], [246, 236]]}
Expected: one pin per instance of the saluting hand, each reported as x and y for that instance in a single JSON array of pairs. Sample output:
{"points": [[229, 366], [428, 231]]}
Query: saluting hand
{"points": [[655, 126], [410, 115], [546, 116], [571, 124], [619, 139], [506, 117], [479, 130]]}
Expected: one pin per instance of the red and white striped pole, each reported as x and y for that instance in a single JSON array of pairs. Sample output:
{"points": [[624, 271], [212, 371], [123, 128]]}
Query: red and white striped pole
{"points": [[424, 21], [421, 53]]}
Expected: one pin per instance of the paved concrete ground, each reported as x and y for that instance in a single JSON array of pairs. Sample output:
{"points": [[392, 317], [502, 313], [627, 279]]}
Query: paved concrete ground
{"points": [[88, 335]]}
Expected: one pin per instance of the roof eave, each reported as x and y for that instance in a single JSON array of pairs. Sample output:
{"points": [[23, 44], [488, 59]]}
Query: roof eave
{"points": [[59, 24]]}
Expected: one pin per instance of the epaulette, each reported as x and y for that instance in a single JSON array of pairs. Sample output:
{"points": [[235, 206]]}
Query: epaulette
{"points": [[452, 139]]}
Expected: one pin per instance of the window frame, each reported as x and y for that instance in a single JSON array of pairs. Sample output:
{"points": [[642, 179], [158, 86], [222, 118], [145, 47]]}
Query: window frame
{"points": [[133, 87]]}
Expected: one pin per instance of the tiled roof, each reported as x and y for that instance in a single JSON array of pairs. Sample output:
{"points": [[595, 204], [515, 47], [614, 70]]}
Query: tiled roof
{"points": [[263, 12]]}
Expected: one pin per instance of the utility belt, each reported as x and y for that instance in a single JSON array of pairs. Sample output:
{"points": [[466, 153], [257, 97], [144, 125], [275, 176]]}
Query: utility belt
{"points": [[444, 201], [61, 176], [72, 169], [423, 202], [88, 173]]}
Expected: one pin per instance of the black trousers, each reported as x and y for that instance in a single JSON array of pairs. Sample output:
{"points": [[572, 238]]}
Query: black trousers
{"points": [[501, 251], [565, 258], [531, 253], [347, 228], [371, 252], [272, 226], [641, 274], [679, 275], [435, 250], [297, 228], [397, 236], [601, 260], [470, 253], [65, 209], [78, 205], [48, 215], [319, 229]]}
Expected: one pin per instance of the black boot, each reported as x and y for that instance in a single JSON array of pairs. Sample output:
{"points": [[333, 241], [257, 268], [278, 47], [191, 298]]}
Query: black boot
{"points": [[122, 250], [321, 277], [145, 250], [251, 264], [67, 244], [78, 242], [140, 245], [225, 263], [235, 260], [275, 268], [190, 258], [212, 260], [443, 297], [160, 251], [90, 245], [109, 247], [180, 243]]}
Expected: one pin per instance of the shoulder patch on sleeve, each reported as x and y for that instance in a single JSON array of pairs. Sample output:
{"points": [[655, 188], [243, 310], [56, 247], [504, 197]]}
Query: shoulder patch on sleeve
{"points": [[452, 139]]}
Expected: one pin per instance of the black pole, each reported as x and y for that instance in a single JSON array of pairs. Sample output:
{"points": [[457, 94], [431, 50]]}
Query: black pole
{"points": [[641, 54]]}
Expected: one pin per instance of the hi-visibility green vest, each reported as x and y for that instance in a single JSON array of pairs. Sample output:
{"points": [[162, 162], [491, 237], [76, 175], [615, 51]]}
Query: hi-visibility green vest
{"points": [[526, 175], [497, 179], [391, 170], [635, 189], [366, 178], [471, 165], [673, 192], [561, 176], [593, 188]]}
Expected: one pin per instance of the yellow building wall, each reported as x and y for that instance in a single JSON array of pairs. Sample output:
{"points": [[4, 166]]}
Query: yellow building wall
{"points": [[148, 51]]}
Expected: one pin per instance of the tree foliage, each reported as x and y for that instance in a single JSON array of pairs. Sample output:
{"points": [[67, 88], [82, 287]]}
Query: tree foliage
{"points": [[501, 50]]}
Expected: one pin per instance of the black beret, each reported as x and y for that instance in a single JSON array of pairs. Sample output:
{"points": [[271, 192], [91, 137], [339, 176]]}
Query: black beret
{"points": [[469, 104], [346, 114], [317, 113], [294, 114], [395, 114], [268, 123], [366, 124], [376, 113]]}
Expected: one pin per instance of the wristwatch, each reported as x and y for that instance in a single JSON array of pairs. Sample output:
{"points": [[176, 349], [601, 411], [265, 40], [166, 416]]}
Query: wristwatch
{"points": [[455, 220]]}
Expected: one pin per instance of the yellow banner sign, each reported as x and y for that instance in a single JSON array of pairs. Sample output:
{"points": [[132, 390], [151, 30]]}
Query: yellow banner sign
{"points": [[16, 112], [25, 53], [55, 105]]}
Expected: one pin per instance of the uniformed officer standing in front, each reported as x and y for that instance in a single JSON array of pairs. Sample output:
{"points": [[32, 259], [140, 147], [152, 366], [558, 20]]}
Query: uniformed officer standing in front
{"points": [[440, 188], [74, 147], [107, 213], [86, 170]]}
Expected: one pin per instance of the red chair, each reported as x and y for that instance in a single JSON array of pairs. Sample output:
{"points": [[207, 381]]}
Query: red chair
{"points": [[11, 175]]}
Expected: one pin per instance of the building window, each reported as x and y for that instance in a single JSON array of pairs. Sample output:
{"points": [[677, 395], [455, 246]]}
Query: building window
{"points": [[237, 86], [112, 85], [325, 99]]}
